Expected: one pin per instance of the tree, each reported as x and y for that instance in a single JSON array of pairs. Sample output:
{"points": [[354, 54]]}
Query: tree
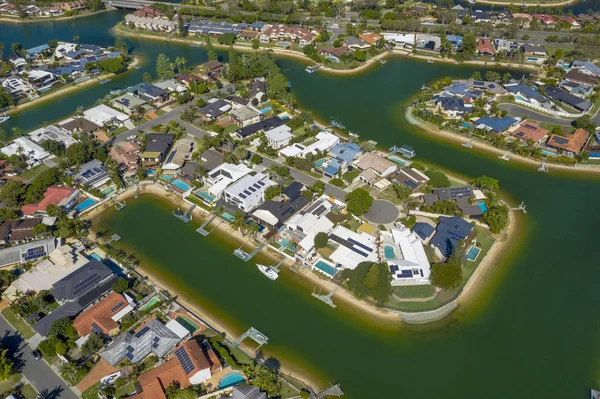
{"points": [[181, 26], [210, 50], [496, 217], [492, 76], [6, 99], [445, 276], [147, 77], [121, 45], [273, 191], [369, 280], [111, 65], [264, 378], [77, 154], [17, 48], [120, 286], [92, 345], [239, 222], [62, 330], [6, 365], [255, 44], [585, 122], [469, 45], [321, 240], [372, 277], [360, 55], [164, 67], [476, 75], [278, 87], [12, 193], [227, 38], [486, 183], [358, 201], [54, 147]]}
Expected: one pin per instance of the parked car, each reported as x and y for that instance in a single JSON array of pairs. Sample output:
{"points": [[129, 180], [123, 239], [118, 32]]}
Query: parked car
{"points": [[36, 354]]}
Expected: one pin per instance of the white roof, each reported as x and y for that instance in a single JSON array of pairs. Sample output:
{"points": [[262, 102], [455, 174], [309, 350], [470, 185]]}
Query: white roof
{"points": [[103, 114], [36, 73], [177, 328], [280, 133], [293, 150], [413, 254], [23, 145], [63, 48], [52, 133], [408, 38], [250, 181], [219, 179], [325, 141], [363, 248]]}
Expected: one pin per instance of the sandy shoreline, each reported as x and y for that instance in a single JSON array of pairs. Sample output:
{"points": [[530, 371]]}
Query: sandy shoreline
{"points": [[67, 90], [510, 4], [17, 20], [477, 144]]}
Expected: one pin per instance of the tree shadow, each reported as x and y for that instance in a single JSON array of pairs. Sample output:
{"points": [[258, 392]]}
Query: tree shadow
{"points": [[14, 343], [53, 394], [273, 363]]}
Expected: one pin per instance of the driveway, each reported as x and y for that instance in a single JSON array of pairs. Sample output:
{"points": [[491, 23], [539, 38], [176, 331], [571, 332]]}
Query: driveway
{"points": [[37, 372], [382, 212], [515, 110]]}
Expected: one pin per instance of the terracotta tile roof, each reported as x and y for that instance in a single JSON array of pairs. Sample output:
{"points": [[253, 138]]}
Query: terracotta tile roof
{"points": [[572, 143], [101, 314], [545, 18], [370, 38], [485, 46], [53, 195], [336, 51], [528, 130]]}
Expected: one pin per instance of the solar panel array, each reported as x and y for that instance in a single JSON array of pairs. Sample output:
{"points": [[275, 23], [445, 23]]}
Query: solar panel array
{"points": [[96, 329], [34, 253], [85, 284], [88, 174], [410, 184], [560, 140], [117, 307], [155, 342], [142, 332], [185, 360]]}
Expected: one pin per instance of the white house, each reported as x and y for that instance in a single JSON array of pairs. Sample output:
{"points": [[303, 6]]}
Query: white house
{"points": [[64, 48], [406, 257], [248, 192], [223, 175], [52, 133], [400, 39], [377, 164], [245, 116], [354, 248], [23, 146], [325, 141], [279, 137], [102, 115]]}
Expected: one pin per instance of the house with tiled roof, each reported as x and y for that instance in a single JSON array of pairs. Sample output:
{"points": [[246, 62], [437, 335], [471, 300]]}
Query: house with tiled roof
{"points": [[571, 21], [570, 145], [485, 47], [544, 19], [103, 317], [60, 196], [370, 38], [333, 53], [529, 130]]}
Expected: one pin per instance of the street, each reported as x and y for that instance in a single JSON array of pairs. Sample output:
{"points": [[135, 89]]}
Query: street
{"points": [[515, 110], [41, 376]]}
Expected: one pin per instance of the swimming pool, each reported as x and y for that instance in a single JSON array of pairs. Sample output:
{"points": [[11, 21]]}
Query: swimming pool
{"points": [[228, 217], [205, 196], [320, 162], [94, 255], [180, 184], [472, 253], [389, 252], [107, 191], [166, 178], [325, 268], [332, 59], [265, 110], [260, 226], [230, 380], [150, 172], [150, 303], [85, 204], [482, 206], [548, 152], [520, 99], [187, 324], [398, 160]]}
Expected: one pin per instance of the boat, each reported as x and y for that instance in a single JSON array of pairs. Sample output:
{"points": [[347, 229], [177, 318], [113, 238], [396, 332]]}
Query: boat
{"points": [[430, 61], [116, 90], [472, 1], [268, 271], [4, 118]]}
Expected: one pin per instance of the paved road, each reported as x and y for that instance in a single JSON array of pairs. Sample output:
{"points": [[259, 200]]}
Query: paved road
{"points": [[515, 110], [37, 371], [382, 212]]}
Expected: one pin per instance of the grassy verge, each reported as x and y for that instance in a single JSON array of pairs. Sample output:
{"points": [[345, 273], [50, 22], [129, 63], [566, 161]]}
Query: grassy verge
{"points": [[90, 393], [10, 382], [21, 325], [29, 392], [125, 390], [417, 291]]}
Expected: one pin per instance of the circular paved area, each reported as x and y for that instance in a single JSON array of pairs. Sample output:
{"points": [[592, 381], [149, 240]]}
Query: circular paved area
{"points": [[382, 212]]}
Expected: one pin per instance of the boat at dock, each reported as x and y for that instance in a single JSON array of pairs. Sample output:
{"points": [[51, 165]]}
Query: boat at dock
{"points": [[430, 61], [4, 118], [268, 271]]}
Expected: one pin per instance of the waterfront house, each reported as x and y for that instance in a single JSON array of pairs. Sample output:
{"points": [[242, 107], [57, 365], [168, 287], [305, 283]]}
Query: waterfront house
{"points": [[262, 126], [333, 53], [151, 338], [576, 76], [28, 252], [481, 16], [556, 94], [212, 69], [410, 177], [453, 107], [449, 232], [245, 116], [372, 38], [343, 155], [25, 148], [247, 392], [274, 214], [18, 231], [586, 67], [258, 90], [352, 248], [157, 147], [403, 40], [248, 192], [534, 53], [222, 176], [526, 94], [375, 163], [324, 141], [576, 89], [77, 291], [149, 92], [180, 153], [54, 133], [156, 24], [506, 45], [192, 364], [215, 109], [570, 145], [569, 20], [209, 160], [249, 35], [18, 88], [39, 79], [406, 258], [66, 50], [545, 19], [462, 195], [455, 40], [92, 174], [206, 27], [303, 36], [103, 317], [128, 103], [279, 137], [126, 154], [102, 115], [495, 124], [424, 231], [529, 131], [485, 47], [354, 43], [64, 197]]}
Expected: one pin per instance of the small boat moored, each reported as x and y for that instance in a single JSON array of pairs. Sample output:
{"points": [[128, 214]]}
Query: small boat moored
{"points": [[268, 271], [4, 118]]}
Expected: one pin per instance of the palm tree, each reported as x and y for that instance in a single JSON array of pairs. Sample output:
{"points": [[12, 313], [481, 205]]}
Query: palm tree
{"points": [[253, 229], [180, 61], [239, 222]]}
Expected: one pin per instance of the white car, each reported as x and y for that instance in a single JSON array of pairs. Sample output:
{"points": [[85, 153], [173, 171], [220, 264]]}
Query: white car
{"points": [[132, 137]]}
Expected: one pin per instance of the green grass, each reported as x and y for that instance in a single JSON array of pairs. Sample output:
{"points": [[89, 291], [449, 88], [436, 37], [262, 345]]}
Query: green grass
{"points": [[10, 382], [553, 48], [299, 131], [160, 112], [21, 325], [125, 390], [90, 393], [230, 128], [33, 172], [28, 392], [388, 194], [416, 291], [120, 130]]}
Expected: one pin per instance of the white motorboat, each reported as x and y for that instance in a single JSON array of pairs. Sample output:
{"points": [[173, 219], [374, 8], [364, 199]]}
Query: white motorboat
{"points": [[268, 271], [4, 118]]}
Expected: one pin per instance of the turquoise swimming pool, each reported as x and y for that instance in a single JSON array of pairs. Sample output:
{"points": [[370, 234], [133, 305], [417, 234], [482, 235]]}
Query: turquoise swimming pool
{"points": [[166, 178], [107, 191], [398, 160], [230, 380], [150, 303], [85, 205], [472, 253], [205, 196], [94, 255], [180, 184], [320, 163], [326, 268], [482, 206], [388, 252]]}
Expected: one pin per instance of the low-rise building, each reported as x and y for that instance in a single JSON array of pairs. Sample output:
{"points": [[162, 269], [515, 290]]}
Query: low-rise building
{"points": [[103, 317], [126, 154], [279, 137], [411, 177], [180, 153], [570, 145], [526, 94], [52, 133], [128, 103], [406, 257], [102, 115], [534, 53], [495, 124], [92, 174], [586, 67], [157, 147], [263, 126], [453, 107], [556, 94], [485, 47], [529, 131], [18, 231], [24, 147], [375, 163], [353, 248], [215, 109], [245, 116], [324, 142], [273, 214], [27, 252], [576, 76], [78, 125], [333, 53], [449, 232], [222, 176], [64, 197], [248, 192], [148, 92]]}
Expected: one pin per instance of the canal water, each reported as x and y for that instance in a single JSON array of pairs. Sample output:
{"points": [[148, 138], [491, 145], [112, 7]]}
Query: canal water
{"points": [[532, 332]]}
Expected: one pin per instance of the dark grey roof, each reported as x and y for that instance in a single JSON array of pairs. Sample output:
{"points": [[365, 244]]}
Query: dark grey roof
{"points": [[293, 190], [213, 109], [69, 309], [80, 281], [155, 338], [449, 231], [578, 103], [247, 392], [258, 86], [454, 193], [210, 159], [147, 89], [284, 210], [533, 48], [159, 142], [453, 104], [423, 230], [264, 125]]}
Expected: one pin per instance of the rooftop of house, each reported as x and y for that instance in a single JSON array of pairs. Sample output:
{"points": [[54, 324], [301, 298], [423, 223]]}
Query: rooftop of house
{"points": [[159, 142], [80, 281], [453, 104], [53, 195], [588, 66], [375, 162], [247, 392], [244, 113], [264, 125], [577, 76], [212, 65], [449, 232], [423, 230], [354, 248], [345, 152], [276, 213], [26, 252], [573, 143], [528, 130], [335, 51], [496, 124], [215, 109], [18, 230], [80, 124], [560, 95], [103, 316], [525, 90]]}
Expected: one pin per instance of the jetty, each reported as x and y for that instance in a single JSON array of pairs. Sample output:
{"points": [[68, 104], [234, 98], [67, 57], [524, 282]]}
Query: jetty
{"points": [[102, 81], [313, 68], [594, 394], [405, 150], [332, 390], [184, 216], [326, 298], [542, 168], [468, 144], [519, 208], [119, 205], [245, 256], [202, 229], [335, 123], [255, 335]]}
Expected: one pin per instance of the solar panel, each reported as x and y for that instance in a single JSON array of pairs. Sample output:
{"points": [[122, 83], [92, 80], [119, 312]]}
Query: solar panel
{"points": [[96, 329], [129, 356], [394, 268], [251, 189], [319, 211], [155, 345], [130, 348], [247, 192], [261, 183], [85, 284], [363, 246], [560, 140], [142, 332], [185, 360], [242, 196], [117, 307], [34, 253], [410, 183]]}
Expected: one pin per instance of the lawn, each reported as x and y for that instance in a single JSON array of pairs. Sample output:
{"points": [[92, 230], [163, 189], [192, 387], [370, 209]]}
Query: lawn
{"points": [[20, 324], [388, 194], [29, 392], [230, 128], [33, 172], [125, 390], [414, 291], [10, 382], [120, 130], [90, 393], [161, 112]]}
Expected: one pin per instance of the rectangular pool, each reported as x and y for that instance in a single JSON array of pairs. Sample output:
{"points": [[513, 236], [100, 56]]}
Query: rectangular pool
{"points": [[472, 253], [205, 196], [325, 268], [180, 184], [85, 204]]}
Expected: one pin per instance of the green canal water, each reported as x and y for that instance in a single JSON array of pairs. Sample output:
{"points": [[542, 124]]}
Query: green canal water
{"points": [[533, 331]]}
